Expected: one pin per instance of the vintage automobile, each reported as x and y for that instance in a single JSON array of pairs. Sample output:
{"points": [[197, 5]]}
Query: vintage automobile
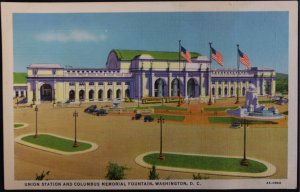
{"points": [[101, 112], [91, 109], [148, 118]]}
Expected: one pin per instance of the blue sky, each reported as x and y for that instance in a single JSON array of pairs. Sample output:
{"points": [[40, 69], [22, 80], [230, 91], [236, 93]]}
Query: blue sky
{"points": [[85, 39]]}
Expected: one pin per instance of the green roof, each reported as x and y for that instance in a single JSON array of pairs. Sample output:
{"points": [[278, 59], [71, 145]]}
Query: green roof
{"points": [[127, 55], [20, 78]]}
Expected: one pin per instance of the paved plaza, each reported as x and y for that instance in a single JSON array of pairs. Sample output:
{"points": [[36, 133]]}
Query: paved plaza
{"points": [[121, 140]]}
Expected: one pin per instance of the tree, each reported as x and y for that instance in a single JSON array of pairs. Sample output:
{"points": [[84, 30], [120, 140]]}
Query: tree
{"points": [[153, 175], [42, 176], [115, 171]]}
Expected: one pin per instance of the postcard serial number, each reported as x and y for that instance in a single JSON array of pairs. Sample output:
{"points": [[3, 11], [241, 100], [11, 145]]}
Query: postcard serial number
{"points": [[273, 182]]}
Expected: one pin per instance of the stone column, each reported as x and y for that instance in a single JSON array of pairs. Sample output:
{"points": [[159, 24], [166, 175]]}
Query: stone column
{"points": [[37, 92], [113, 90], [86, 92], [273, 87], [104, 91], [76, 91], [185, 85], [96, 95], [263, 87], [169, 84], [223, 89], [217, 88], [122, 90]]}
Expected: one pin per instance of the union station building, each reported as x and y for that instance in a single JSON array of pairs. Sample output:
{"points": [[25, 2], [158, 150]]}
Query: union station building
{"points": [[141, 74]]}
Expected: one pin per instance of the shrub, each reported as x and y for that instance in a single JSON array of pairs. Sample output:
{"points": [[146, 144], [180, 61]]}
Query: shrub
{"points": [[153, 175], [199, 177], [42, 176], [115, 171]]}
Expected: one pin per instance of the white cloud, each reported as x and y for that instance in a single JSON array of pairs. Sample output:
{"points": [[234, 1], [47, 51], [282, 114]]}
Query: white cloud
{"points": [[73, 36]]}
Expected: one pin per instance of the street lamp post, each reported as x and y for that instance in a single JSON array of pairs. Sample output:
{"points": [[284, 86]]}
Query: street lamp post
{"points": [[244, 161], [54, 97], [75, 115], [36, 112], [161, 121]]}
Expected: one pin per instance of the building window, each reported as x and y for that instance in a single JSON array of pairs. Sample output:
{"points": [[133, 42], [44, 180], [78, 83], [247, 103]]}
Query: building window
{"points": [[100, 83], [118, 83], [126, 83], [81, 95], [109, 83], [91, 83], [71, 83], [22, 93], [17, 93], [34, 71], [81, 83]]}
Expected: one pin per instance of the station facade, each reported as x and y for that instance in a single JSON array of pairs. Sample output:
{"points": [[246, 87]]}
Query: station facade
{"points": [[140, 74]]}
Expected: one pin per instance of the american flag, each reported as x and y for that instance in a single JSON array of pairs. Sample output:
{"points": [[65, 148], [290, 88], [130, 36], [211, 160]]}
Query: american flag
{"points": [[244, 59], [215, 55], [185, 54]]}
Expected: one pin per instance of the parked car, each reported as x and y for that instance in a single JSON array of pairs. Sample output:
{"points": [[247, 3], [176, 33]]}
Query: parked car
{"points": [[137, 116], [101, 112], [91, 109], [148, 118]]}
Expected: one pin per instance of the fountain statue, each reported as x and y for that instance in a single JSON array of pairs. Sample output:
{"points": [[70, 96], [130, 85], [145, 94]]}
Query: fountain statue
{"points": [[252, 108]]}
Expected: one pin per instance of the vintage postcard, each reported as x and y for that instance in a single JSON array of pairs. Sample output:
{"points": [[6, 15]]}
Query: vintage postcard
{"points": [[150, 95]]}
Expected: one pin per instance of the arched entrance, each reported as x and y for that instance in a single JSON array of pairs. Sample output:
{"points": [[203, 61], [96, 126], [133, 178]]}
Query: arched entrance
{"points": [[100, 95], [213, 91], [91, 95], [127, 93], [109, 94], [118, 94], [46, 92], [159, 88], [231, 91], [219, 91], [72, 95], [243, 91], [191, 88], [175, 87], [81, 95], [225, 92]]}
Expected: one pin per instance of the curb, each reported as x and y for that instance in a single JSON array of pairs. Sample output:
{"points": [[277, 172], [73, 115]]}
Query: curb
{"points": [[21, 127], [271, 169], [20, 141]]}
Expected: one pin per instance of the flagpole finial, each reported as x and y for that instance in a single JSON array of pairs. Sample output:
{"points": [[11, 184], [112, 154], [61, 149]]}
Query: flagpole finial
{"points": [[237, 45]]}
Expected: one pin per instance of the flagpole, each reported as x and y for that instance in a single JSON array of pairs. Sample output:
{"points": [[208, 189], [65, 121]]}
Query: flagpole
{"points": [[209, 76], [238, 67], [179, 102]]}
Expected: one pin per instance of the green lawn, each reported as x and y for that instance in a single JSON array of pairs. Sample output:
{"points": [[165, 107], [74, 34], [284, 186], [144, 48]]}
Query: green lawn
{"points": [[56, 143], [229, 120], [16, 125], [164, 107], [168, 117], [218, 108], [205, 162]]}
